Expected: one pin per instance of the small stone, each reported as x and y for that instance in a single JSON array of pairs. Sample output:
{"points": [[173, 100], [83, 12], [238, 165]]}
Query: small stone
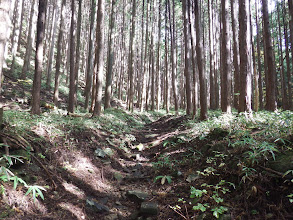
{"points": [[96, 206], [111, 217], [270, 216], [34, 168], [134, 216], [137, 195], [118, 176], [192, 177], [149, 208], [100, 153], [225, 217], [109, 152], [118, 203]]}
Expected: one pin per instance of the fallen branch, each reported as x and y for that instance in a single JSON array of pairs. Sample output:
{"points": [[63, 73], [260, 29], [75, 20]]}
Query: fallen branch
{"points": [[271, 171], [22, 143]]}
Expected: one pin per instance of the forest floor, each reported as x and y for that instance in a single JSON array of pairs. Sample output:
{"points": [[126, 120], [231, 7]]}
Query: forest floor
{"points": [[126, 165]]}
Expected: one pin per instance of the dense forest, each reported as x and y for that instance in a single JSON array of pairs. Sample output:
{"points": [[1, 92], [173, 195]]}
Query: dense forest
{"points": [[153, 54], [146, 109]]}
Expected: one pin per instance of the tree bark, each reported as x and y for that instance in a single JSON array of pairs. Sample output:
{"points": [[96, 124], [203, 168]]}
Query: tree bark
{"points": [[78, 49], [235, 55], [30, 40], [245, 57], [39, 58], [72, 78], [158, 74], [59, 53], [226, 60], [99, 56], [200, 63], [4, 24], [131, 55], [110, 58], [281, 60], [260, 83], [173, 55], [187, 58], [52, 46], [271, 104], [90, 59], [21, 25], [291, 40]]}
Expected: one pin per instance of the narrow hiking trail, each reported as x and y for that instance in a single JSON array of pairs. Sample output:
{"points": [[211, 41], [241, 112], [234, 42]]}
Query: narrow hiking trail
{"points": [[128, 166], [90, 177], [97, 173]]}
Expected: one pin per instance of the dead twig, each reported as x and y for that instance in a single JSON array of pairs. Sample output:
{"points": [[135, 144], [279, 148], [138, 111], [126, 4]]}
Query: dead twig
{"points": [[271, 171], [22, 143]]}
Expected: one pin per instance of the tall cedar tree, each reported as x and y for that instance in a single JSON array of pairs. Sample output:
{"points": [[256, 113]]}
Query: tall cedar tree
{"points": [[58, 56], [271, 103], [72, 82], [187, 57], [245, 57], [90, 61], [39, 58], [110, 57], [4, 23], [226, 60], [200, 64], [99, 56]]}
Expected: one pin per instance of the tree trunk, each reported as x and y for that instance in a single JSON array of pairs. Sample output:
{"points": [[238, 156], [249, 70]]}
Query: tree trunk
{"points": [[21, 25], [281, 60], [260, 83], [226, 60], [140, 74], [59, 53], [72, 81], [187, 58], [4, 23], [167, 90], [200, 63], [235, 54], [78, 49], [173, 54], [90, 59], [158, 74], [52, 46], [291, 40], [271, 71], [15, 33], [39, 58], [110, 58], [30, 40], [212, 58], [131, 55], [144, 75], [245, 57], [99, 56]]}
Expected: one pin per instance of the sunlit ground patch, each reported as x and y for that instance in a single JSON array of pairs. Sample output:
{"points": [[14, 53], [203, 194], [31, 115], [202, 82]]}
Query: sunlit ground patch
{"points": [[76, 211], [21, 203], [74, 190]]}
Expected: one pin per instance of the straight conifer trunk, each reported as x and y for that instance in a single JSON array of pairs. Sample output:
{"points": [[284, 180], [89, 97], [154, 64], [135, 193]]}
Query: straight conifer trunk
{"points": [[59, 53], [226, 60], [99, 57], [187, 58], [271, 103], [71, 101], [4, 23], [200, 64], [245, 57], [39, 58]]}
